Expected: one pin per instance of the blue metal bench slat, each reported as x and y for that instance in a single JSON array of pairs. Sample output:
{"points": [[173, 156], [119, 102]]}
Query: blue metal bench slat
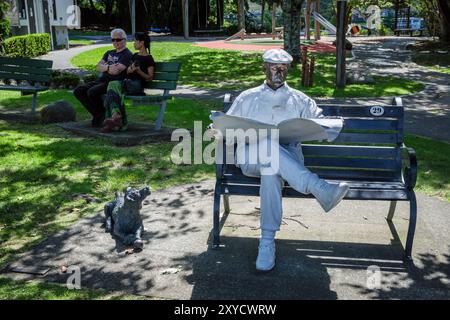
{"points": [[371, 124], [354, 194], [352, 163], [369, 138], [350, 151]]}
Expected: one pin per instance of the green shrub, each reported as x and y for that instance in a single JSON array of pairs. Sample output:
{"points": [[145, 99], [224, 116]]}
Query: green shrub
{"points": [[90, 77], [64, 80], [383, 30], [28, 46], [4, 22]]}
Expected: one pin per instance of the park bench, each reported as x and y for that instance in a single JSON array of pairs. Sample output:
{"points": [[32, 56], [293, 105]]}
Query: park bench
{"points": [[369, 154], [30, 76], [165, 79], [409, 31]]}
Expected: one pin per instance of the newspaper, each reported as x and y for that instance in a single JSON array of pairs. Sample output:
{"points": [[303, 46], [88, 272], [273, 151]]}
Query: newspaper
{"points": [[291, 130]]}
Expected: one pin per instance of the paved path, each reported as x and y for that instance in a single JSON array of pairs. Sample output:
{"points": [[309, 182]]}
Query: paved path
{"points": [[319, 256]]}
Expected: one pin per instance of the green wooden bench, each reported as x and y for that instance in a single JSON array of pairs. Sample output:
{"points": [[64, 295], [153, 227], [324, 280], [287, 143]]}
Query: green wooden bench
{"points": [[31, 76], [165, 79]]}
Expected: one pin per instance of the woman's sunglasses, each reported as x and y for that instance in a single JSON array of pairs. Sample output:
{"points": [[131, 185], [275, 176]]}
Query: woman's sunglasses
{"points": [[116, 40]]}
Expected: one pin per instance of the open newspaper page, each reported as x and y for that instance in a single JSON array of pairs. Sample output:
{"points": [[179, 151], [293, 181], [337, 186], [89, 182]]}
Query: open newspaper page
{"points": [[291, 130]]}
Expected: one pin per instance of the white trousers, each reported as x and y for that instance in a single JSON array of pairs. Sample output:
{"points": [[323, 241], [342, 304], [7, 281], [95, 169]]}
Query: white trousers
{"points": [[290, 168]]}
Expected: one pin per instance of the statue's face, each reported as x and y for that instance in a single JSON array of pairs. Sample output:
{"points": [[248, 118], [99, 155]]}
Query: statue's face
{"points": [[276, 74]]}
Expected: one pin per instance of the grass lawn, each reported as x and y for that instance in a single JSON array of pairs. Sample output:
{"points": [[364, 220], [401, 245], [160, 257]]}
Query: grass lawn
{"points": [[435, 61], [43, 167], [229, 70], [80, 42], [21, 290]]}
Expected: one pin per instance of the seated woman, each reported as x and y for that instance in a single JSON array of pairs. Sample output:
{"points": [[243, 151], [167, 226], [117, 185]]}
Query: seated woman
{"points": [[140, 71]]}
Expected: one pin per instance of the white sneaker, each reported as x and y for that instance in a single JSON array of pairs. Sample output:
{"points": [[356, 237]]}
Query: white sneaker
{"points": [[329, 195], [266, 256]]}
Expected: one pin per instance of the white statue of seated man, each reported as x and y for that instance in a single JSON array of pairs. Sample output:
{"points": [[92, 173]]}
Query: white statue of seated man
{"points": [[273, 102]]}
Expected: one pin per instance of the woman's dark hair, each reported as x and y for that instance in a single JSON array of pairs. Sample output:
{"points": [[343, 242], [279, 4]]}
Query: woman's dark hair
{"points": [[143, 36]]}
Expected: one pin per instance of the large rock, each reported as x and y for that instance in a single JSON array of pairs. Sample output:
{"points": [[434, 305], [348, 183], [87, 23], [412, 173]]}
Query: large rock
{"points": [[357, 77], [60, 111]]}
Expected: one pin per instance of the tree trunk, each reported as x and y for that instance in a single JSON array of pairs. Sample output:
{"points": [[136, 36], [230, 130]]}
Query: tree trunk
{"points": [[263, 9], [291, 15], [444, 20], [241, 14], [308, 19]]}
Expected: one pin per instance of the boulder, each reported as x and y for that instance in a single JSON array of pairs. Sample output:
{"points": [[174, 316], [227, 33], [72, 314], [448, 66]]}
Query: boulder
{"points": [[60, 111], [359, 78]]}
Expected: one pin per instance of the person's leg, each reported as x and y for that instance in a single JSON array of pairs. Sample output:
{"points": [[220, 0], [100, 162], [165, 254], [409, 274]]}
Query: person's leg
{"points": [[114, 109], [81, 94], [95, 94], [290, 166], [270, 211]]}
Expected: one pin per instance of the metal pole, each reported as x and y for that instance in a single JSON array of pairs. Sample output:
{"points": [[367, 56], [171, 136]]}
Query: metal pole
{"points": [[185, 8], [340, 44], [133, 17]]}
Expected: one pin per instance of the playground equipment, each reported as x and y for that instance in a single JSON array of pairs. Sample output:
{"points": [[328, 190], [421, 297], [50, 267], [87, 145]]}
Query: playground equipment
{"points": [[324, 22], [242, 34], [277, 32]]}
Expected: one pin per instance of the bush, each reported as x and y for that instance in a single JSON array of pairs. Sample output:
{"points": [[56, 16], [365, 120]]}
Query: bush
{"points": [[383, 30], [4, 22], [90, 77], [28, 46], [64, 80]]}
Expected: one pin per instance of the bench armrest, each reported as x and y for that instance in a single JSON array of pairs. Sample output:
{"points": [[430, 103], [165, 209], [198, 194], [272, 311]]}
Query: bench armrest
{"points": [[409, 167]]}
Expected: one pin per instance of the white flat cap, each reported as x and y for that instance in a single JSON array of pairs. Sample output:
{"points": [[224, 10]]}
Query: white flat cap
{"points": [[277, 56]]}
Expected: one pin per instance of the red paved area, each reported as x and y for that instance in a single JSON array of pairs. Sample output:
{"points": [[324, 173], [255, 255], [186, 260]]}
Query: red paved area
{"points": [[317, 47]]}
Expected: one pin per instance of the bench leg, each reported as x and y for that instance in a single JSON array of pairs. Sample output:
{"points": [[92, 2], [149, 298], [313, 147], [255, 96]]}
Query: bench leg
{"points": [[226, 203], [159, 120], [216, 217], [391, 210], [412, 225], [33, 103]]}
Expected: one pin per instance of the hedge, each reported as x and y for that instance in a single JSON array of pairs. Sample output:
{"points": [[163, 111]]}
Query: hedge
{"points": [[28, 46]]}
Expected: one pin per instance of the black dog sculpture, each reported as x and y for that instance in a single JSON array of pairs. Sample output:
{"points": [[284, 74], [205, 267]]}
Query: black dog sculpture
{"points": [[123, 218]]}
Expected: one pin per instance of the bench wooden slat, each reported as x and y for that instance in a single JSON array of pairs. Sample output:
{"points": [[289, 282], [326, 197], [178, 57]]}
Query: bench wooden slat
{"points": [[24, 89], [350, 151], [27, 70], [167, 67], [148, 99], [29, 77], [35, 63], [167, 85], [167, 76]]}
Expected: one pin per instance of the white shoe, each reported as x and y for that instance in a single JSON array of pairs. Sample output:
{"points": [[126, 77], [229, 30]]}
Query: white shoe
{"points": [[329, 195], [266, 256]]}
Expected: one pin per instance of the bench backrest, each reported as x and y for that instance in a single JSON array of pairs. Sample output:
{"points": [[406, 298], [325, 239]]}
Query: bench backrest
{"points": [[166, 76], [32, 70], [368, 147]]}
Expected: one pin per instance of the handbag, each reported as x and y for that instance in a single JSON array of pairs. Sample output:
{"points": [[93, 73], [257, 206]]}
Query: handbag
{"points": [[132, 86]]}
